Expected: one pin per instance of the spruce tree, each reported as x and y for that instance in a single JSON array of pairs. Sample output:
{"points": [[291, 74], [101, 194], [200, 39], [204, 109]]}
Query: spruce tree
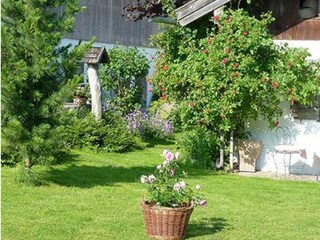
{"points": [[36, 74]]}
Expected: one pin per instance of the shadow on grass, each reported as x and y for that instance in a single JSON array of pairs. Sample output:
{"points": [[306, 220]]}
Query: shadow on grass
{"points": [[150, 143], [206, 227], [85, 176]]}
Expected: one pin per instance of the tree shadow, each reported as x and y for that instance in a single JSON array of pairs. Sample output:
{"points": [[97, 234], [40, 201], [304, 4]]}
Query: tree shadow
{"points": [[152, 142], [85, 176], [206, 226]]}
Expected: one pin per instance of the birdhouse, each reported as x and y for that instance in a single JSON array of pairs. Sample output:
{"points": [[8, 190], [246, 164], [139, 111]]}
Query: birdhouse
{"points": [[93, 58], [96, 55]]}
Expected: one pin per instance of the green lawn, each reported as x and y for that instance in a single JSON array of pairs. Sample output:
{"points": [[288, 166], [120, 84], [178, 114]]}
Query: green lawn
{"points": [[97, 196]]}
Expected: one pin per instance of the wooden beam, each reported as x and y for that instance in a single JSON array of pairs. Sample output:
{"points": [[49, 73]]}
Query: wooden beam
{"points": [[191, 7], [199, 10]]}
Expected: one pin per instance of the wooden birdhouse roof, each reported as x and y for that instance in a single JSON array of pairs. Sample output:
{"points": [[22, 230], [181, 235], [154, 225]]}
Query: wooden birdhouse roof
{"points": [[195, 9], [96, 55]]}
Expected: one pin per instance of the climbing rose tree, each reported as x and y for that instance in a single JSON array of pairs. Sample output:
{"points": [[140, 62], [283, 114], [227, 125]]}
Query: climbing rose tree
{"points": [[232, 73]]}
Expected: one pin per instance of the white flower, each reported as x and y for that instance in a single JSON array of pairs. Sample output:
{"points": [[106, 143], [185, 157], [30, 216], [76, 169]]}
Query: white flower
{"points": [[159, 166], [176, 187], [152, 178], [182, 184], [198, 187], [164, 153], [144, 179], [177, 155]]}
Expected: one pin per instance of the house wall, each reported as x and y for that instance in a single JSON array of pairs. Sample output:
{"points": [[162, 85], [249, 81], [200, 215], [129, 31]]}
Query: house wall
{"points": [[305, 133], [288, 24], [103, 19]]}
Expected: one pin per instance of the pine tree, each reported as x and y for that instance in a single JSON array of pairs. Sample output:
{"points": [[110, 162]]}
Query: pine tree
{"points": [[36, 74]]}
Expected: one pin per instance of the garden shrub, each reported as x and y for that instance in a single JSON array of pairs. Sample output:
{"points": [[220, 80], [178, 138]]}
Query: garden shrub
{"points": [[123, 79], [109, 134], [199, 147]]}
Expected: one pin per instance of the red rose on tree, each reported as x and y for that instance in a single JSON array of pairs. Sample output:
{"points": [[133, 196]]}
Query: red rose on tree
{"points": [[275, 85], [165, 68], [215, 18]]}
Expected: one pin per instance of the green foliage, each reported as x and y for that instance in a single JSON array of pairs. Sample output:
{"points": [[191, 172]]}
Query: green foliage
{"points": [[109, 134], [36, 77], [165, 187], [27, 176], [199, 147], [124, 77], [234, 73]]}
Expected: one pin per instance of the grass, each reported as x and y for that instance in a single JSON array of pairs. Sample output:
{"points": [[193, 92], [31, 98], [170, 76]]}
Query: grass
{"points": [[97, 196]]}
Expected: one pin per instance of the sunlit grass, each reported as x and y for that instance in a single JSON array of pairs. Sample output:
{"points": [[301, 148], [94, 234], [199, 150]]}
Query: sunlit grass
{"points": [[97, 196]]}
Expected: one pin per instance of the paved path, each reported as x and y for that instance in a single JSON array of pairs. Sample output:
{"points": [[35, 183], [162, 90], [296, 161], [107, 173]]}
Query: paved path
{"points": [[292, 177]]}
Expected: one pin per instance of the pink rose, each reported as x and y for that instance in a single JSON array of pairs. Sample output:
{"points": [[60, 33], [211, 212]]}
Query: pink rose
{"points": [[169, 157], [203, 203]]}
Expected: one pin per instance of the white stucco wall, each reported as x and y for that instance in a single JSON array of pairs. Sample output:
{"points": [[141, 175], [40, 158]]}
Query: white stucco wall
{"points": [[312, 46], [305, 135]]}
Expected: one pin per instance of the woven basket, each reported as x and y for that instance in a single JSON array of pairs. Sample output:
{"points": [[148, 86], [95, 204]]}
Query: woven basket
{"points": [[166, 223]]}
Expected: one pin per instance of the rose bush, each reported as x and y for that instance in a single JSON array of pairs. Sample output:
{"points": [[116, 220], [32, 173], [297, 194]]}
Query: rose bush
{"points": [[165, 188]]}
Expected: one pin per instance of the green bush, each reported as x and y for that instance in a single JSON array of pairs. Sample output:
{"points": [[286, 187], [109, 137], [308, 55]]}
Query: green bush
{"points": [[45, 145], [124, 78], [199, 147], [109, 134]]}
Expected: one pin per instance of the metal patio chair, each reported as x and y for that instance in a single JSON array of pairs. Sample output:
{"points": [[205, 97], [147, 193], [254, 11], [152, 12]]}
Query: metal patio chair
{"points": [[284, 145]]}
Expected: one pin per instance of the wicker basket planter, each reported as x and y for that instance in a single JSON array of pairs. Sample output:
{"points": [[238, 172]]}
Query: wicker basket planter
{"points": [[166, 223]]}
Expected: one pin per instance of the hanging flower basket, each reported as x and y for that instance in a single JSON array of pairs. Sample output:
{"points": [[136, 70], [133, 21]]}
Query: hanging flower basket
{"points": [[164, 222]]}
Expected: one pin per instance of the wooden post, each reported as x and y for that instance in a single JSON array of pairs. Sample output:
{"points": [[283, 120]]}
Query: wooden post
{"points": [[95, 90], [231, 149], [221, 160]]}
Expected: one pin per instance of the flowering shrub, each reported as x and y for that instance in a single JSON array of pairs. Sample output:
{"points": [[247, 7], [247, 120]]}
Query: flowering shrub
{"points": [[230, 72], [166, 189], [146, 125]]}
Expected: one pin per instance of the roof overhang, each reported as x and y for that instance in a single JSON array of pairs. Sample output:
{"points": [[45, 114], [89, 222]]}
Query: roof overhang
{"points": [[195, 9]]}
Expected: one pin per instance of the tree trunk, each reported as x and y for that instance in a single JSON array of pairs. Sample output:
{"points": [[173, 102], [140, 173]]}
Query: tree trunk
{"points": [[27, 164], [95, 90]]}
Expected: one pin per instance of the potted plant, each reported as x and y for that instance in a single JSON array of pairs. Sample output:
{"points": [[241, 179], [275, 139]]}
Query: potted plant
{"points": [[170, 201]]}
